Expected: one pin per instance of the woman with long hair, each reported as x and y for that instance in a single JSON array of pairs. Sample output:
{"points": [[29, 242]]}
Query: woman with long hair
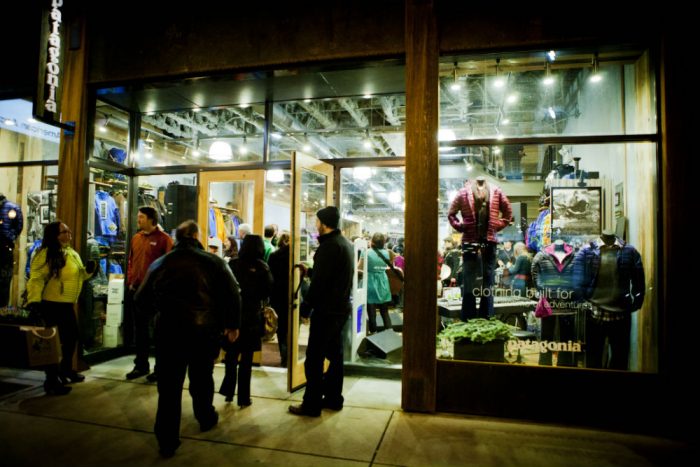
{"points": [[378, 291], [55, 280], [253, 276]]}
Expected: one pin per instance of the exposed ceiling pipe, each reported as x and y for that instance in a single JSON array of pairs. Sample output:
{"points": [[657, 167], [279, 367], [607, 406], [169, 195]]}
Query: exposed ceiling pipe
{"points": [[316, 113], [285, 122], [388, 106], [354, 111]]}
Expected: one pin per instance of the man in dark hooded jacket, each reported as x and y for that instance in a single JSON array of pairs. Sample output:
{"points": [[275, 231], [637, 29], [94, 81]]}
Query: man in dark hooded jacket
{"points": [[329, 298], [196, 298]]}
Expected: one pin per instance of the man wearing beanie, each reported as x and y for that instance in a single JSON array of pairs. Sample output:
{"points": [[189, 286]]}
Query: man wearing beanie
{"points": [[328, 303]]}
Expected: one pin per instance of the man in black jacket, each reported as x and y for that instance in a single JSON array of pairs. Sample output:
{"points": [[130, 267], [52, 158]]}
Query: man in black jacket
{"points": [[196, 298], [329, 298]]}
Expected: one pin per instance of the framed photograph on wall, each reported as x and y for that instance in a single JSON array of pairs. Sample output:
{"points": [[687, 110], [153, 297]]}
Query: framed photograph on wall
{"points": [[576, 211], [44, 216]]}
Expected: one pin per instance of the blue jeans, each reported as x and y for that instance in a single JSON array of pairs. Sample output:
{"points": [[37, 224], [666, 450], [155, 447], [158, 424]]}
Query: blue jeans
{"points": [[476, 263]]}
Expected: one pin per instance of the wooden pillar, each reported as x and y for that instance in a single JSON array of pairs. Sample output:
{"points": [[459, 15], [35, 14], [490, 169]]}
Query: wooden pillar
{"points": [[71, 160], [420, 309]]}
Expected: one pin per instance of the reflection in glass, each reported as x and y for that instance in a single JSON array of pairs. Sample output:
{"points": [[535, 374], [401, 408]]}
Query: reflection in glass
{"points": [[231, 204]]}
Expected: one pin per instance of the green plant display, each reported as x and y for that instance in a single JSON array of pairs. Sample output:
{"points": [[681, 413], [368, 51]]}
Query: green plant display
{"points": [[477, 330]]}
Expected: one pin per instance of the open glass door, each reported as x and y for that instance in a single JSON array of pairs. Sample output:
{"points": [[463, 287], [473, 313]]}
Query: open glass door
{"points": [[312, 182], [226, 200]]}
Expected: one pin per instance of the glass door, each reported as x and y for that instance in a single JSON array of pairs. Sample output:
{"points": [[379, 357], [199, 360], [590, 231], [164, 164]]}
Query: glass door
{"points": [[312, 189]]}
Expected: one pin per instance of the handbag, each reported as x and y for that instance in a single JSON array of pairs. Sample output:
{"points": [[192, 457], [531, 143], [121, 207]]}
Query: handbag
{"points": [[543, 308], [394, 274], [270, 320]]}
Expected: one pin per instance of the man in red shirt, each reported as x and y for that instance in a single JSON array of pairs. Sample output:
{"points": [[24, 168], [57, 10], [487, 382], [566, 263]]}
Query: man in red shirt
{"points": [[149, 244]]}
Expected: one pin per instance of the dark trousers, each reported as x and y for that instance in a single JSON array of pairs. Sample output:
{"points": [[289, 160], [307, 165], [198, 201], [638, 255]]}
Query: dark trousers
{"points": [[475, 264], [618, 336], [62, 316], [325, 341], [567, 331], [372, 316], [282, 309], [237, 372], [6, 265], [137, 326], [173, 361]]}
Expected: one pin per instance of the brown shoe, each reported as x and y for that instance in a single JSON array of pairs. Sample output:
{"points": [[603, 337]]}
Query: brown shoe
{"points": [[301, 410]]}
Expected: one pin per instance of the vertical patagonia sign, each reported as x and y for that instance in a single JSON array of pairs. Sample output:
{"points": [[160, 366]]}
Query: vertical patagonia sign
{"points": [[47, 103]]}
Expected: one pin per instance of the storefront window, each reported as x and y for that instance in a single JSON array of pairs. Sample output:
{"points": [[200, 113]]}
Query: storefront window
{"points": [[28, 196], [553, 245], [356, 126], [547, 93], [372, 207], [111, 133], [201, 136], [107, 227]]}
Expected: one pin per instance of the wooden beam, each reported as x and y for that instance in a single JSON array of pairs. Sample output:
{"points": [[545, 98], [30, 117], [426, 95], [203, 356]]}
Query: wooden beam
{"points": [[420, 322], [71, 160]]}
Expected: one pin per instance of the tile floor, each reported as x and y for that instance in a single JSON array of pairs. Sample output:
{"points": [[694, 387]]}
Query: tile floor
{"points": [[108, 421]]}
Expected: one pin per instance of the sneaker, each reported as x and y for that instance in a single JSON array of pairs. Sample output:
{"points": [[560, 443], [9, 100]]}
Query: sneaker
{"points": [[137, 373], [301, 410]]}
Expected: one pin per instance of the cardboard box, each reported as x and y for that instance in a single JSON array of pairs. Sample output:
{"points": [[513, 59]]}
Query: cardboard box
{"points": [[115, 289], [115, 314], [112, 336]]}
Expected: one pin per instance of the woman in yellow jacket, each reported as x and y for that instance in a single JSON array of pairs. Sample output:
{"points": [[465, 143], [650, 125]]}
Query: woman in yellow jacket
{"points": [[55, 280]]}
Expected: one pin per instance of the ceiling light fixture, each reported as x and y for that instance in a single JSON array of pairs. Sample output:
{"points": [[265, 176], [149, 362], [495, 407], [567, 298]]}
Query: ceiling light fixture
{"points": [[9, 121], [552, 55], [551, 112], [220, 151], [505, 121], [455, 86], [103, 127], [361, 173], [367, 142], [499, 82], [275, 175], [548, 77], [244, 148], [595, 75], [307, 146]]}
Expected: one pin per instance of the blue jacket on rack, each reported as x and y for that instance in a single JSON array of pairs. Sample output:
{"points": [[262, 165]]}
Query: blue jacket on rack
{"points": [[630, 271], [11, 221], [106, 215]]}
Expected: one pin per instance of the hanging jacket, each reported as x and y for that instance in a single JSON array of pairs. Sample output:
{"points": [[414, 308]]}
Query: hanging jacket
{"points": [[630, 271], [11, 221], [500, 213], [107, 219]]}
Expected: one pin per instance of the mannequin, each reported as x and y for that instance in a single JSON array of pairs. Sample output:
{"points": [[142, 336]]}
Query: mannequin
{"points": [[553, 273], [609, 274], [11, 223], [484, 210]]}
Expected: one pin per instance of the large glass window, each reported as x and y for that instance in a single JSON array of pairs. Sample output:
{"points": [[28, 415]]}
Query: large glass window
{"points": [[201, 136], [547, 93], [28, 196], [548, 250], [111, 133], [356, 126], [372, 208]]}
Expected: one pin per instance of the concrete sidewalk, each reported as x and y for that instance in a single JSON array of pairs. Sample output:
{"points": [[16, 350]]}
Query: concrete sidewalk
{"points": [[107, 420]]}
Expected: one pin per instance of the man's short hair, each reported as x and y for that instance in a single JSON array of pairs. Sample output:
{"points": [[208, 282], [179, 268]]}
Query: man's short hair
{"points": [[269, 231], [187, 229], [150, 213]]}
